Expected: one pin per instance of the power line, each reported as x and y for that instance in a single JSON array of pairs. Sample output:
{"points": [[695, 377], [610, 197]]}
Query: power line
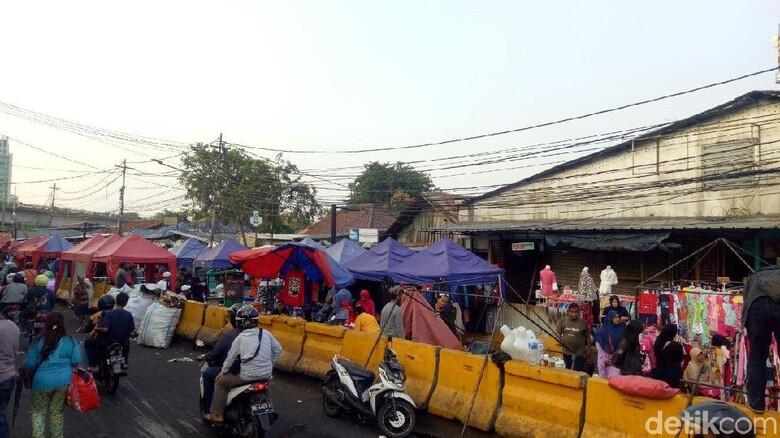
{"points": [[525, 128]]}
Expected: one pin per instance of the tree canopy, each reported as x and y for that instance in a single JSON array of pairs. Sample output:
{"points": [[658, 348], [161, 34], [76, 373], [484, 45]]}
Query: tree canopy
{"points": [[388, 184], [236, 184]]}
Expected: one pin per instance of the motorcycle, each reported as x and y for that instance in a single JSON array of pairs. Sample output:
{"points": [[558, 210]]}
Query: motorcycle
{"points": [[249, 412], [35, 326], [348, 387], [112, 367]]}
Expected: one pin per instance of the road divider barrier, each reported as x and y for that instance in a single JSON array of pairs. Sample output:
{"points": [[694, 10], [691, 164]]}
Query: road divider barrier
{"points": [[191, 320], [266, 322], [540, 402], [458, 378], [100, 290], [63, 290], [357, 346], [421, 363], [291, 334], [213, 324], [321, 344]]}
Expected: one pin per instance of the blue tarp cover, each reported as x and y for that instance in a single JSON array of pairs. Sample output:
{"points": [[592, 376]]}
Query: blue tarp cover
{"points": [[375, 264], [219, 256], [187, 251], [345, 250], [446, 261]]}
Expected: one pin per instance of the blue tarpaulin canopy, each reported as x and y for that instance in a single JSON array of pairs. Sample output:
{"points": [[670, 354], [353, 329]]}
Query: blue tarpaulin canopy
{"points": [[375, 264], [187, 251], [56, 244], [446, 261], [219, 256], [345, 250]]}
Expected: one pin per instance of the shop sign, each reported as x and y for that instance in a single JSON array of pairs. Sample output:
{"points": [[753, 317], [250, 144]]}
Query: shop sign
{"points": [[523, 246]]}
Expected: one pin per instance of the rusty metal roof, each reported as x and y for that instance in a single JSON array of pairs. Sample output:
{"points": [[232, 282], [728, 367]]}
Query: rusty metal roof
{"points": [[617, 224]]}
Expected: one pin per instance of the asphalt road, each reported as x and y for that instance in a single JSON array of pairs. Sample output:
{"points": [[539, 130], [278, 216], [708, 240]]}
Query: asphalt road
{"points": [[159, 399]]}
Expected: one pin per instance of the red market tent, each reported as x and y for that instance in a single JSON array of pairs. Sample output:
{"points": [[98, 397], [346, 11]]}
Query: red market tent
{"points": [[423, 325], [75, 261], [24, 251], [134, 249]]}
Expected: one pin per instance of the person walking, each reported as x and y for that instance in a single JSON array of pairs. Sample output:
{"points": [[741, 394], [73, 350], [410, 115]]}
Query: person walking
{"points": [[628, 357], [607, 340], [9, 347], [761, 317], [575, 337], [51, 360], [392, 317]]}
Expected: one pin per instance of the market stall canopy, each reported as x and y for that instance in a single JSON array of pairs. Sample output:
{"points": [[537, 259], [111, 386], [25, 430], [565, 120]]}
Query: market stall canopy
{"points": [[43, 247], [311, 242], [218, 257], [345, 250], [271, 263], [187, 251], [449, 262], [375, 264], [133, 249], [423, 325], [612, 242], [84, 250]]}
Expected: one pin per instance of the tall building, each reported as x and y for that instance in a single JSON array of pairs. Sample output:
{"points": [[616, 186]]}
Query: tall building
{"points": [[5, 171]]}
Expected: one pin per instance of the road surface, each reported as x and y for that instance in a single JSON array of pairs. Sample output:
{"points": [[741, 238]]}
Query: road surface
{"points": [[159, 399]]}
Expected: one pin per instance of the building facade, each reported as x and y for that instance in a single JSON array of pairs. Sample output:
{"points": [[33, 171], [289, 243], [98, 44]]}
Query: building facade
{"points": [[644, 204]]}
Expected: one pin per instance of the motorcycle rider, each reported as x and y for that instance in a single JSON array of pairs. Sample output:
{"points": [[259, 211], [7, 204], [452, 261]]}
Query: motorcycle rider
{"points": [[216, 358], [116, 326], [16, 290], [257, 351], [36, 301]]}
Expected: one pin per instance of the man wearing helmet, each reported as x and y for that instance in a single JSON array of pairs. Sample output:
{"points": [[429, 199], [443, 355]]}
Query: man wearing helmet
{"points": [[256, 349], [216, 359]]}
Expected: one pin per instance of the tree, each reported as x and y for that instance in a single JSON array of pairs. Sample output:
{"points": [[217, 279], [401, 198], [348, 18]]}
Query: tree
{"points": [[236, 184], [389, 185]]}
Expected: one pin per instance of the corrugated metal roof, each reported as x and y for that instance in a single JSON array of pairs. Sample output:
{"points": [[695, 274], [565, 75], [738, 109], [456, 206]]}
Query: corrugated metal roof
{"points": [[614, 224]]}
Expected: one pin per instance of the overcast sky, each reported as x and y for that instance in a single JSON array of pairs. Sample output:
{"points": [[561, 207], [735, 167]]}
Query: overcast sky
{"points": [[336, 75]]}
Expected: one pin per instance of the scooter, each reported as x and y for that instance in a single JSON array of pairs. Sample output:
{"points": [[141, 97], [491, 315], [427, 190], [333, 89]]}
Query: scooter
{"points": [[249, 412], [348, 387]]}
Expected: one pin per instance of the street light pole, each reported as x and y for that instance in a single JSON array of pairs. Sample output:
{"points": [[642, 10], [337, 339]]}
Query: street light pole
{"points": [[332, 224]]}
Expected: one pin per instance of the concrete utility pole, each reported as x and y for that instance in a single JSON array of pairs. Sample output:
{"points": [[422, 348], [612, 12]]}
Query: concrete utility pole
{"points": [[121, 197], [332, 224], [223, 154], [51, 209]]}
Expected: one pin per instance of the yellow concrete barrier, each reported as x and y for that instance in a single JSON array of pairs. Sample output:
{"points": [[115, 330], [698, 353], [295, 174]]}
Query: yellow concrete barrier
{"points": [[421, 362], [458, 378], [63, 290], [321, 344], [266, 322], [213, 324], [291, 334], [191, 320], [100, 290], [357, 346], [540, 402]]}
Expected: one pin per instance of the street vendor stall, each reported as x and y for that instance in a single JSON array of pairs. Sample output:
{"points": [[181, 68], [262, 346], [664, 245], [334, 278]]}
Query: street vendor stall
{"points": [[133, 249], [300, 265], [23, 251], [376, 263], [345, 250], [75, 261]]}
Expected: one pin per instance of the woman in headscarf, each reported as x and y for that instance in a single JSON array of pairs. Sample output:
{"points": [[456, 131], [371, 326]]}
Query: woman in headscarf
{"points": [[669, 363], [628, 357], [367, 303], [668, 334], [615, 306], [607, 341]]}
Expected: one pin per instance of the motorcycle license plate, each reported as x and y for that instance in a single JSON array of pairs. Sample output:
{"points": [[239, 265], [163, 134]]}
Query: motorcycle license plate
{"points": [[38, 325], [115, 360], [262, 408]]}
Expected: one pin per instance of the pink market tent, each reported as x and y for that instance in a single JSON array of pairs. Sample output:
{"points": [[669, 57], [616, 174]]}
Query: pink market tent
{"points": [[423, 325]]}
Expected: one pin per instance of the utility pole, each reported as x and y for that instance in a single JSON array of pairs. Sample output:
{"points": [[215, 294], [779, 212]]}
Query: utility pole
{"points": [[121, 197], [332, 224], [51, 209], [223, 154]]}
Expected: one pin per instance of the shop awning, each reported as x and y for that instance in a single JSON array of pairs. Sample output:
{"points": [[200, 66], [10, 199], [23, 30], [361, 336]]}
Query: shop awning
{"points": [[611, 242]]}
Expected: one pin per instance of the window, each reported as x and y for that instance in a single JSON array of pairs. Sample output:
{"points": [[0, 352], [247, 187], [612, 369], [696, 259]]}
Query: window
{"points": [[722, 162]]}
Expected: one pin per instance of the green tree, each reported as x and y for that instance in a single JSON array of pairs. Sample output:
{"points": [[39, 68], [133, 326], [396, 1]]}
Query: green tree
{"points": [[236, 184], [388, 184]]}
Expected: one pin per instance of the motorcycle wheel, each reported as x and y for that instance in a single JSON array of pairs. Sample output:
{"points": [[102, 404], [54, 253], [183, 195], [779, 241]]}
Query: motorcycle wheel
{"points": [[398, 422], [331, 408], [259, 432], [113, 383]]}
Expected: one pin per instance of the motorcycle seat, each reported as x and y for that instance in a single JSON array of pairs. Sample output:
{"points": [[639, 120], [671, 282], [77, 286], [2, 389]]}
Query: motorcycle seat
{"points": [[356, 371]]}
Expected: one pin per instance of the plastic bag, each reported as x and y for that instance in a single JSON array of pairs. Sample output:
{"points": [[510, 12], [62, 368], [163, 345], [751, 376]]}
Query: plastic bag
{"points": [[158, 326], [137, 305], [82, 392]]}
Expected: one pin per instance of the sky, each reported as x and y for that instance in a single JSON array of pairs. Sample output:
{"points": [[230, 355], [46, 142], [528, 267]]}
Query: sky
{"points": [[348, 75]]}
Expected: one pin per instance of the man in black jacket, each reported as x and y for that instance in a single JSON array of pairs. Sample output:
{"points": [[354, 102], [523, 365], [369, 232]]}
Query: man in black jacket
{"points": [[761, 317]]}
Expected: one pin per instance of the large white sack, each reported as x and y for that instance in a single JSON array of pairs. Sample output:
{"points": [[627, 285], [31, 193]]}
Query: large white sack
{"points": [[158, 325], [137, 305]]}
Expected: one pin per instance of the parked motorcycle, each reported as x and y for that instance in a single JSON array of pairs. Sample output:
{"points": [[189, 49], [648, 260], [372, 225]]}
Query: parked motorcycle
{"points": [[249, 412], [113, 366], [348, 387]]}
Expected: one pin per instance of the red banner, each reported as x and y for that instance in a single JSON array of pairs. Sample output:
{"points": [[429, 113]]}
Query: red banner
{"points": [[293, 289]]}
